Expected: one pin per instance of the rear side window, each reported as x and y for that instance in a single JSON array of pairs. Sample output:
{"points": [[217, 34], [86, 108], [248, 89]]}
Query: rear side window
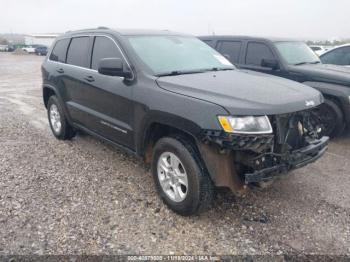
{"points": [[59, 51], [256, 52], [231, 50], [104, 48], [78, 52]]}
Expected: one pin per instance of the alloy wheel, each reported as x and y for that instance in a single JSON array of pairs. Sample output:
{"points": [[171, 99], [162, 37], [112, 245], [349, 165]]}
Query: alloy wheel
{"points": [[172, 176]]}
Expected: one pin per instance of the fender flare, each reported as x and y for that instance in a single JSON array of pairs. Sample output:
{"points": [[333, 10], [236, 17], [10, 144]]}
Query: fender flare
{"points": [[59, 97], [337, 91], [157, 117], [220, 167]]}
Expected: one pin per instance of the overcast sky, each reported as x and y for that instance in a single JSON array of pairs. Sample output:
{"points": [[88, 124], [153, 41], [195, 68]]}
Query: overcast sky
{"points": [[308, 19]]}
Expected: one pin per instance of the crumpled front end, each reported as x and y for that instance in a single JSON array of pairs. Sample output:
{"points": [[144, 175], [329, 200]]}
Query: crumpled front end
{"points": [[259, 158]]}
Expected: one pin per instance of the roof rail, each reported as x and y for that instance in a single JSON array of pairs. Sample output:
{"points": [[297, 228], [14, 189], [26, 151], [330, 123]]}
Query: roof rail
{"points": [[102, 27]]}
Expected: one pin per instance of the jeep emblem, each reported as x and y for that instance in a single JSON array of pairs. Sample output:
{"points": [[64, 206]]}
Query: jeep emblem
{"points": [[309, 102]]}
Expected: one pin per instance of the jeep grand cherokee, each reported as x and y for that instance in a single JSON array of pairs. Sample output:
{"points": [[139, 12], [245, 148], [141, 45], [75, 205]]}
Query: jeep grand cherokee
{"points": [[181, 106]]}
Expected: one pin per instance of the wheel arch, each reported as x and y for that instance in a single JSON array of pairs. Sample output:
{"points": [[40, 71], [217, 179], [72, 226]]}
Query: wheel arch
{"points": [[159, 125], [338, 93], [50, 90], [220, 167]]}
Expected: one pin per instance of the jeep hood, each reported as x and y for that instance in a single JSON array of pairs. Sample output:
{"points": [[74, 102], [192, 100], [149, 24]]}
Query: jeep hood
{"points": [[324, 73], [243, 92]]}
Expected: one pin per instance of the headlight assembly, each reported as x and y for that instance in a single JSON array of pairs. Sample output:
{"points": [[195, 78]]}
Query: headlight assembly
{"points": [[246, 124]]}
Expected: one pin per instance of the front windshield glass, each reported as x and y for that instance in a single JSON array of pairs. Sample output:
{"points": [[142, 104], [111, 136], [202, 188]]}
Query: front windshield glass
{"points": [[168, 54], [296, 53]]}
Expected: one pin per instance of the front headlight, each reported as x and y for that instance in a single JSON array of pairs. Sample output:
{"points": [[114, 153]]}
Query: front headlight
{"points": [[246, 124]]}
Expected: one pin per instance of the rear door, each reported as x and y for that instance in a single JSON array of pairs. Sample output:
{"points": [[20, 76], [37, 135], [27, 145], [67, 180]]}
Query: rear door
{"points": [[78, 57], [108, 98], [56, 69]]}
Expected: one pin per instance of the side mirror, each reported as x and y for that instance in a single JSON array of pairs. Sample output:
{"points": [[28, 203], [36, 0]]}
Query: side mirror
{"points": [[270, 63], [113, 67]]}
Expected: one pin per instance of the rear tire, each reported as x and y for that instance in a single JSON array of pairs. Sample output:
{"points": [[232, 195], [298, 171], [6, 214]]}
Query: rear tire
{"points": [[58, 122], [197, 192], [332, 118]]}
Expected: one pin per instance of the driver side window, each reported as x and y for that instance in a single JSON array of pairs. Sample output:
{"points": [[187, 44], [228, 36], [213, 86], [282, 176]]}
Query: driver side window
{"points": [[103, 48], [256, 52]]}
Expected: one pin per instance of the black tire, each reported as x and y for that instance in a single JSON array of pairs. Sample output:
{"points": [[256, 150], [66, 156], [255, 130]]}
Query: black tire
{"points": [[331, 118], [66, 131], [200, 190]]}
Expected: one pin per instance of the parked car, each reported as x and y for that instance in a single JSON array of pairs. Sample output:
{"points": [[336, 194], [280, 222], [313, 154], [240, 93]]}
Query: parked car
{"points": [[296, 61], [337, 56], [29, 48], [319, 50], [186, 110], [11, 48], [4, 48], [41, 50]]}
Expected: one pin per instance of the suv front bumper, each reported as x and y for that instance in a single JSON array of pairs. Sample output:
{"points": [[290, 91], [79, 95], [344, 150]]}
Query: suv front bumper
{"points": [[289, 161]]}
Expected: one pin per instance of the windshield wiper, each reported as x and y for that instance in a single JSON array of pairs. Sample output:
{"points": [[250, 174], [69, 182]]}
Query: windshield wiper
{"points": [[180, 72], [219, 69], [303, 63], [184, 72]]}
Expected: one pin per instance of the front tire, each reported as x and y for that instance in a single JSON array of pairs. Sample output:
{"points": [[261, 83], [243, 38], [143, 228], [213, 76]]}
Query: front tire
{"points": [[181, 181], [331, 118], [58, 122]]}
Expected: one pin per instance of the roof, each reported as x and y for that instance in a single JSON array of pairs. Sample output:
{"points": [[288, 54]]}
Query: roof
{"points": [[336, 47], [242, 37], [146, 32], [125, 32], [344, 45]]}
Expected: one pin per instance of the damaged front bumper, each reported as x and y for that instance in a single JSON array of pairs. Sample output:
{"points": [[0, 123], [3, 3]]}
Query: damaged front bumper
{"points": [[288, 161], [236, 160]]}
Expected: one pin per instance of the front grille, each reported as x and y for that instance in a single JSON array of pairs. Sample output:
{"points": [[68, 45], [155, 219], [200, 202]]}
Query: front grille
{"points": [[293, 131]]}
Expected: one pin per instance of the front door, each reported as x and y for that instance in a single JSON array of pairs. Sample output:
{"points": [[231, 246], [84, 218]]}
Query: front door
{"points": [[254, 55], [108, 104]]}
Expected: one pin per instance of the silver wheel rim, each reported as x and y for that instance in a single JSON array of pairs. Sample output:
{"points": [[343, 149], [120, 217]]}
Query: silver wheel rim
{"points": [[172, 176], [55, 118]]}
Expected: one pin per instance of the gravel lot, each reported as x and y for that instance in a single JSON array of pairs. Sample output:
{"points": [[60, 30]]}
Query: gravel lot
{"points": [[85, 197]]}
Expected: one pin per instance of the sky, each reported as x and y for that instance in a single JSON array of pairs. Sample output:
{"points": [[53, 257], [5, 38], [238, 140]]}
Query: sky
{"points": [[304, 19]]}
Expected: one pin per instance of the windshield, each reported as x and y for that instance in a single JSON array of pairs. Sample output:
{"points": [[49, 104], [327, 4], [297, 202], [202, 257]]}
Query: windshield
{"points": [[296, 53], [177, 54]]}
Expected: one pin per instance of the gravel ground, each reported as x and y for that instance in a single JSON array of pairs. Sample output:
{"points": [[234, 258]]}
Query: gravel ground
{"points": [[85, 197]]}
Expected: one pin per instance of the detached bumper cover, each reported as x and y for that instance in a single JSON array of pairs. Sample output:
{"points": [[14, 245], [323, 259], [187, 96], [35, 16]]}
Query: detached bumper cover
{"points": [[290, 161]]}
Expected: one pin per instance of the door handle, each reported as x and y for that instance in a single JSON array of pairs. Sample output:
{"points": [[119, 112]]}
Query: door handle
{"points": [[60, 70], [89, 78]]}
